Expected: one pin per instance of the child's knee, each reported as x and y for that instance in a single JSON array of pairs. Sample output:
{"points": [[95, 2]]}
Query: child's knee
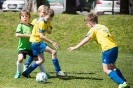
{"points": [[54, 52], [106, 71], [20, 60]]}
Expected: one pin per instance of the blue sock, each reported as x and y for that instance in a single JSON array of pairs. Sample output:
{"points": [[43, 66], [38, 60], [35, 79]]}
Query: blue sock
{"points": [[31, 68], [118, 72], [28, 62], [56, 65], [115, 77]]}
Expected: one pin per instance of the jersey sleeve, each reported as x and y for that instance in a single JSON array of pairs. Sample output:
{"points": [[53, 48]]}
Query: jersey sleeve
{"points": [[91, 33], [18, 30], [42, 27]]}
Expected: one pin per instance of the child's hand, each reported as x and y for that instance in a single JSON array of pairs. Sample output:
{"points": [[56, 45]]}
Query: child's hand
{"points": [[71, 49], [55, 45]]}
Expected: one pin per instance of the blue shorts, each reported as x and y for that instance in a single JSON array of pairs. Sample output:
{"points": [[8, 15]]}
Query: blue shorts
{"points": [[110, 56], [38, 48]]}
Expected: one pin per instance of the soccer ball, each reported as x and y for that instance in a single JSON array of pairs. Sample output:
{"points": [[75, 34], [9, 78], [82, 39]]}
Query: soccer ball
{"points": [[41, 77]]}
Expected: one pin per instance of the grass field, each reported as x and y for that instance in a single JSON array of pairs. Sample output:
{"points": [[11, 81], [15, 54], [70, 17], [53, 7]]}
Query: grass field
{"points": [[83, 66]]}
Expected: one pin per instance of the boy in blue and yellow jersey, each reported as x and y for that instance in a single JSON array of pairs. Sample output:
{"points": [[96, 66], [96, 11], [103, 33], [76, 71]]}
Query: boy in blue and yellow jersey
{"points": [[38, 46], [102, 36], [30, 59]]}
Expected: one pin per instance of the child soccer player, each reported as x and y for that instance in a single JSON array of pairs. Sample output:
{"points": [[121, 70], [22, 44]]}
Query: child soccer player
{"points": [[24, 47], [23, 32], [101, 34], [38, 46], [30, 59]]}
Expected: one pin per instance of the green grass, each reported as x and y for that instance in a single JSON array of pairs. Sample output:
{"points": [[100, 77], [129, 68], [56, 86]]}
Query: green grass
{"points": [[83, 66]]}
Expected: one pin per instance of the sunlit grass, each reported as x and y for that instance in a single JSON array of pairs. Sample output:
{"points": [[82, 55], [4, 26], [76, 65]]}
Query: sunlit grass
{"points": [[84, 70]]}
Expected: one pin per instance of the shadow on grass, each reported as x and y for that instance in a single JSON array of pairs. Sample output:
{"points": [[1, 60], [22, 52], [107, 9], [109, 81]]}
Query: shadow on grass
{"points": [[77, 77]]}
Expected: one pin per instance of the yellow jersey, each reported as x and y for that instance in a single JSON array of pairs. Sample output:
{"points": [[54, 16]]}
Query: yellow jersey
{"points": [[102, 35], [40, 26]]}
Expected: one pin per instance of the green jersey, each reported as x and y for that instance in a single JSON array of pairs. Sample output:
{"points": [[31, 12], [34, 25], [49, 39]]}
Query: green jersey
{"points": [[24, 43]]}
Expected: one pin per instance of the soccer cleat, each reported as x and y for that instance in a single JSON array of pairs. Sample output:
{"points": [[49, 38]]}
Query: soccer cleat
{"points": [[48, 76], [61, 74], [17, 75], [25, 67], [124, 85], [25, 75]]}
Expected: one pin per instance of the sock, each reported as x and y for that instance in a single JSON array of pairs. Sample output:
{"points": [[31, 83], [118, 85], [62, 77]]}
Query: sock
{"points": [[28, 62], [56, 65], [31, 68], [115, 77], [118, 72], [41, 67], [19, 67]]}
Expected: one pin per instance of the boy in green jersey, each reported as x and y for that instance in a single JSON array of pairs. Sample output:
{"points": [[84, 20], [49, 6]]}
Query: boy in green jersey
{"points": [[23, 32]]}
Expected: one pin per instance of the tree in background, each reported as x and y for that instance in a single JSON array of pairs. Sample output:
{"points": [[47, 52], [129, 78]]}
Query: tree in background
{"points": [[32, 5], [70, 6], [124, 7]]}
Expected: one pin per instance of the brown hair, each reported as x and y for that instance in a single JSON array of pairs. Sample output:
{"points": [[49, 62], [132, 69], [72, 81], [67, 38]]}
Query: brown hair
{"points": [[24, 12], [91, 18], [51, 12]]}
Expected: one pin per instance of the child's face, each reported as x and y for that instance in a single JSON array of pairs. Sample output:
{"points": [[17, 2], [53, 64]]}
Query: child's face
{"points": [[89, 24], [48, 18], [25, 18], [42, 13]]}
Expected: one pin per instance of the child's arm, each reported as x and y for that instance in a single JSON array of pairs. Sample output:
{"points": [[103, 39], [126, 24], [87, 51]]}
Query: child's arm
{"points": [[48, 40], [84, 41], [22, 35]]}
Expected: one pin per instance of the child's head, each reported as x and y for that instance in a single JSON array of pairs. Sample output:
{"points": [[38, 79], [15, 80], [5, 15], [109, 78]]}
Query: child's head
{"points": [[49, 15], [91, 19], [42, 10], [24, 16]]}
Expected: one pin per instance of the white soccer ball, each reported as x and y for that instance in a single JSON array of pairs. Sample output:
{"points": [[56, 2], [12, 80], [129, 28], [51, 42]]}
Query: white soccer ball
{"points": [[41, 77]]}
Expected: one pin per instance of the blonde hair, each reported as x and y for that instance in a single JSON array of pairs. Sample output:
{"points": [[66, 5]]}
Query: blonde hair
{"points": [[44, 8]]}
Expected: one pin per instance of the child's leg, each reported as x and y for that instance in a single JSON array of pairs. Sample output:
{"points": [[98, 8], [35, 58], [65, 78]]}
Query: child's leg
{"points": [[55, 62], [56, 65], [28, 62], [109, 69], [34, 65], [54, 58], [118, 72], [41, 67], [19, 66]]}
